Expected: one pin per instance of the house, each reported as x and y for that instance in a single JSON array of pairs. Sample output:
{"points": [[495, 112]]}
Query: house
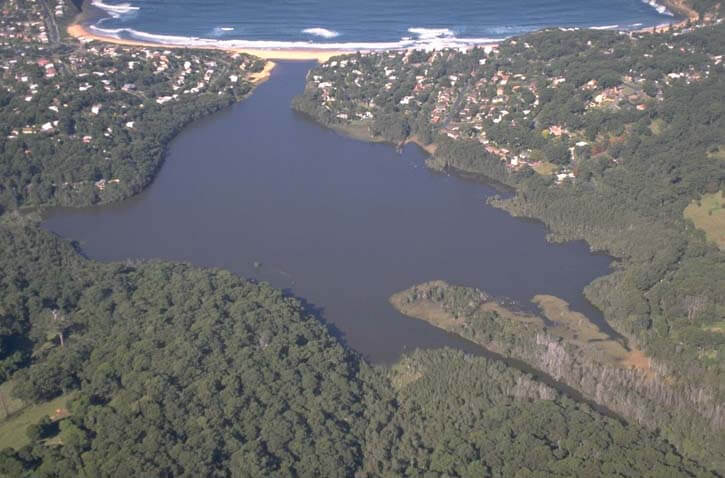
{"points": [[557, 130]]}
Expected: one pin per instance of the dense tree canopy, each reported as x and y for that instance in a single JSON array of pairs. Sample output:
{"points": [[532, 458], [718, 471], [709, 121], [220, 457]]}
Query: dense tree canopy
{"points": [[185, 372], [632, 128], [181, 371], [165, 369]]}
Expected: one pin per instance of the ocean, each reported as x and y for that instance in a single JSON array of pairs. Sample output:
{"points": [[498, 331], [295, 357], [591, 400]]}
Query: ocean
{"points": [[360, 24]]}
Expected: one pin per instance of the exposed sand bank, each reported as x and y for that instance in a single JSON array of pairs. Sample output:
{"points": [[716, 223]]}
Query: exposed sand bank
{"points": [[262, 76], [80, 32]]}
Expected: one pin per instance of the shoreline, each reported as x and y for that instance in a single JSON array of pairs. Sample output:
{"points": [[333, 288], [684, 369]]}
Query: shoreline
{"points": [[261, 76], [680, 8], [81, 33]]}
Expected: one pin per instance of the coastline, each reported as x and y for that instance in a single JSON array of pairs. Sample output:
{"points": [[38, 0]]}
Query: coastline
{"points": [[679, 7], [683, 8], [80, 32]]}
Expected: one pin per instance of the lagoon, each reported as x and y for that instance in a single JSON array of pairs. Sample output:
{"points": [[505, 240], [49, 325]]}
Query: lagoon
{"points": [[268, 194]]}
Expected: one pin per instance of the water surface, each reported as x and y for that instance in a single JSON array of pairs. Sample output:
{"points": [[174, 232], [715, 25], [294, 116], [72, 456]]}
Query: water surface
{"points": [[339, 222], [359, 23]]}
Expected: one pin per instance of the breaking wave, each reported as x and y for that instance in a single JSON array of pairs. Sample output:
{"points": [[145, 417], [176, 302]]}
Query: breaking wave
{"points": [[115, 11], [425, 38], [221, 31], [321, 32], [661, 9], [431, 33]]}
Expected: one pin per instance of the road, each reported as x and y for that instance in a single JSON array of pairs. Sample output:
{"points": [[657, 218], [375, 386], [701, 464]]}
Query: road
{"points": [[50, 25]]}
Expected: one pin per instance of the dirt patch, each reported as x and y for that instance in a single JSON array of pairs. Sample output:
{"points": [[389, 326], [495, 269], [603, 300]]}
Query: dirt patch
{"points": [[577, 329]]}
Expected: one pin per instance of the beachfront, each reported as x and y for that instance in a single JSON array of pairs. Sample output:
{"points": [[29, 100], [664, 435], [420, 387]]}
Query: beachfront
{"points": [[321, 55]]}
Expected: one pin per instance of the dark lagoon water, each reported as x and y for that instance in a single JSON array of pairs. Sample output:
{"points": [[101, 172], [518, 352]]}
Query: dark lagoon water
{"points": [[360, 23], [339, 222]]}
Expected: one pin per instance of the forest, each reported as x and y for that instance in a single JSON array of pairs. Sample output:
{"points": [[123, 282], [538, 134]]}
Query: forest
{"points": [[605, 137], [564, 345], [180, 371], [150, 368]]}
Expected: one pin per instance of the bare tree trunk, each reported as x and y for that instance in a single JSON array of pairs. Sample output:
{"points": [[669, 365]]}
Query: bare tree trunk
{"points": [[694, 305], [5, 405]]}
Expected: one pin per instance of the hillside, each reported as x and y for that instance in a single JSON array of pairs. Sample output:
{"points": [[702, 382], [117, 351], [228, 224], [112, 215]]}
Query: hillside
{"points": [[606, 137], [150, 368]]}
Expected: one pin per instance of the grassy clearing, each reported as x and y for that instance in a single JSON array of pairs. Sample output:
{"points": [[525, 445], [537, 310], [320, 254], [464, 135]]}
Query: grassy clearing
{"points": [[709, 216], [13, 429], [545, 168], [8, 404], [359, 130]]}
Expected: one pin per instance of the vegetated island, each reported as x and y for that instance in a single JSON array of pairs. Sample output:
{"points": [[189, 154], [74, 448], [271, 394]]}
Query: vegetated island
{"points": [[141, 368], [606, 137]]}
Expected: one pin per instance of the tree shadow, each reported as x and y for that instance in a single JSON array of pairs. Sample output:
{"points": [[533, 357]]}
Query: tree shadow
{"points": [[318, 312]]}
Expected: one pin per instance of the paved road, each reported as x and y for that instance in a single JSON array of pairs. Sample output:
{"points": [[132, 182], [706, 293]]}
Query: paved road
{"points": [[50, 25]]}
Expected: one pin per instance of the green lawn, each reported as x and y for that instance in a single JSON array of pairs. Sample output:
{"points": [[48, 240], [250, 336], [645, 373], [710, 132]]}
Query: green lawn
{"points": [[545, 168], [709, 216], [12, 430], [8, 405]]}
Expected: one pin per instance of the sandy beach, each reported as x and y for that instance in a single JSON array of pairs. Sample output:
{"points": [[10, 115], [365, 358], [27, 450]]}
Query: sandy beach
{"points": [[80, 32]]}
